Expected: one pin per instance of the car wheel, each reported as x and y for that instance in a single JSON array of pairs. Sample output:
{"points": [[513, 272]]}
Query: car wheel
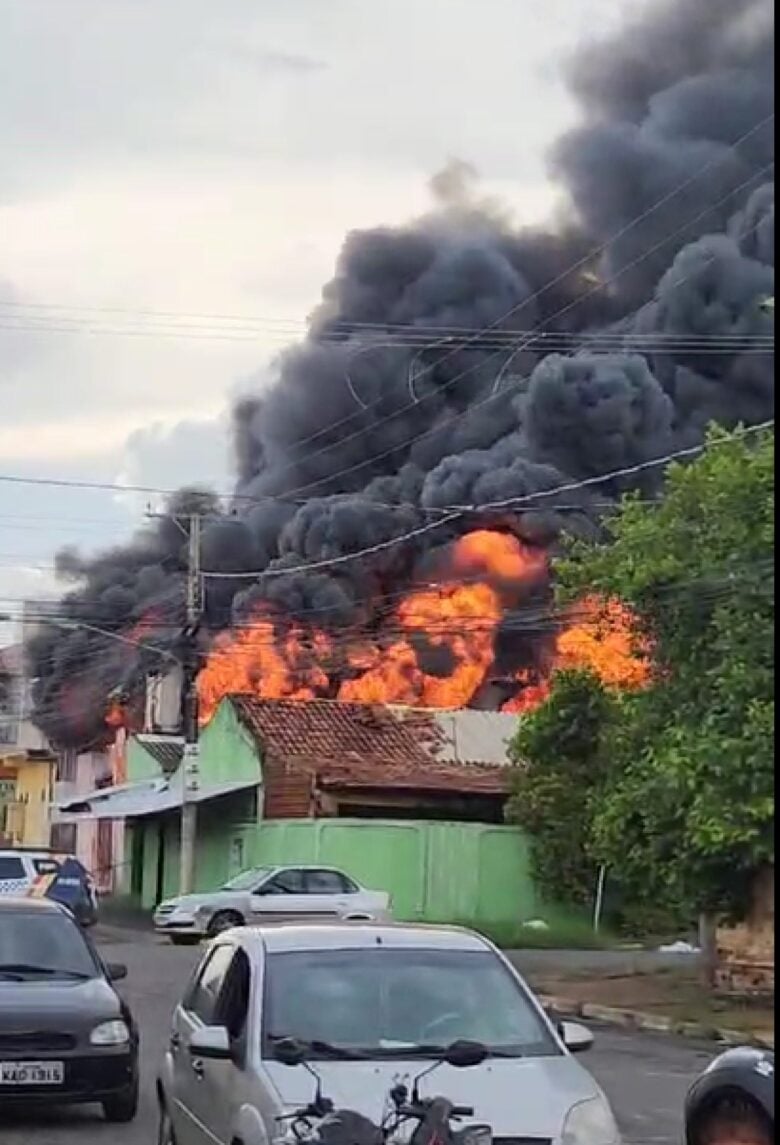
{"points": [[165, 1135], [122, 1108], [224, 920]]}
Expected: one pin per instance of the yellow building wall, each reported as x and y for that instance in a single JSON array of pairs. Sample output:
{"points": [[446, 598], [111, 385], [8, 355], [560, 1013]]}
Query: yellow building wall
{"points": [[28, 817]]}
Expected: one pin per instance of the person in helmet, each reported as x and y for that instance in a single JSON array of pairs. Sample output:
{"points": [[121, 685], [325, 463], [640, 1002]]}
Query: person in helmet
{"points": [[733, 1102]]}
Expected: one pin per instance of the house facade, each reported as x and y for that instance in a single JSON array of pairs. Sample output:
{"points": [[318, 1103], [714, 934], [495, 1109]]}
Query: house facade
{"points": [[27, 765], [405, 800]]}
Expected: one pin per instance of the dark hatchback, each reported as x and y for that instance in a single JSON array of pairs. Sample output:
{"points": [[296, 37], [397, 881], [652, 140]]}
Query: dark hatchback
{"points": [[66, 1036]]}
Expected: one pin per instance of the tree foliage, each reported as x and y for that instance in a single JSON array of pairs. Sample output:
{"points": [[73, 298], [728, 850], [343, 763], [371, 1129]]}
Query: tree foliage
{"points": [[560, 764], [686, 805]]}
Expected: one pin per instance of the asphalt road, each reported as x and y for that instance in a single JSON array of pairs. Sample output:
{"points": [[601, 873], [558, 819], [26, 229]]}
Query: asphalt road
{"points": [[645, 1076]]}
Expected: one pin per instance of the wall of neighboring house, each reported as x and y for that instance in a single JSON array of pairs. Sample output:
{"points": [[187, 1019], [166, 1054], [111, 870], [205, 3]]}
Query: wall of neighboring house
{"points": [[29, 788], [225, 832], [34, 794], [467, 873], [98, 845]]}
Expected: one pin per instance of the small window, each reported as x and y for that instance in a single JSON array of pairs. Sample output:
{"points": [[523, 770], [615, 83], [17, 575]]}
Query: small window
{"points": [[324, 883], [11, 868], [202, 998], [46, 866], [285, 883]]}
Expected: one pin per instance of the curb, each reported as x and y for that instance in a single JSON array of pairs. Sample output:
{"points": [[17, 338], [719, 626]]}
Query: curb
{"points": [[653, 1023]]}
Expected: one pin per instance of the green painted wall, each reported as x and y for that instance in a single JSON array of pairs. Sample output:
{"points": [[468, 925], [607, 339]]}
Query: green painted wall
{"points": [[140, 764], [228, 753], [221, 850], [436, 872]]}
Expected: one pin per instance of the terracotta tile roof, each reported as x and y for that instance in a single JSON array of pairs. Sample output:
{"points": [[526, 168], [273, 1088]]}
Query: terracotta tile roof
{"points": [[357, 745]]}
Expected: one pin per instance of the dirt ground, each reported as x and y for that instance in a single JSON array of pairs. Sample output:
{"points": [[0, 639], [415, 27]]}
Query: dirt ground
{"points": [[672, 992]]}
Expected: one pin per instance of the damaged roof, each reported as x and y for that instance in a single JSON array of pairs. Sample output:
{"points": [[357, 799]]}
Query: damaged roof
{"points": [[167, 751], [373, 746]]}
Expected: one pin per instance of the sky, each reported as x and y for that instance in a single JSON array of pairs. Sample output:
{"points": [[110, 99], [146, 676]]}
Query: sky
{"points": [[177, 179]]}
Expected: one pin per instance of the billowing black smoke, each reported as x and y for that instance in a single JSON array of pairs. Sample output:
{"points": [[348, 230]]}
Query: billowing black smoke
{"points": [[365, 436]]}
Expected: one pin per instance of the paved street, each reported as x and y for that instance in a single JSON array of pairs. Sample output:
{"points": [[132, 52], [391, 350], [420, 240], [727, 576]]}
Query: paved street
{"points": [[645, 1077]]}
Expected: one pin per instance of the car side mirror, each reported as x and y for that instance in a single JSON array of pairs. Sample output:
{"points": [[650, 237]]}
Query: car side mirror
{"points": [[116, 971], [576, 1037], [212, 1043]]}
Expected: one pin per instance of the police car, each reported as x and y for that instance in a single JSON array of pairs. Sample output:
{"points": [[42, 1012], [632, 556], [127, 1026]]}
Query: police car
{"points": [[40, 873]]}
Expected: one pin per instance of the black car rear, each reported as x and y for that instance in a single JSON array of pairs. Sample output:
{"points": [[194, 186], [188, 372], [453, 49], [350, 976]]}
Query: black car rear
{"points": [[65, 1034]]}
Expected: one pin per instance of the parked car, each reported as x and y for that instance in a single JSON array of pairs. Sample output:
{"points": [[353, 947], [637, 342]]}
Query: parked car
{"points": [[270, 894], [42, 873], [373, 1004], [66, 1036]]}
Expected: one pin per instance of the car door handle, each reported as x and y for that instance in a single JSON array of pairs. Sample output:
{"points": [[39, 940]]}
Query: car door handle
{"points": [[175, 1043], [198, 1069]]}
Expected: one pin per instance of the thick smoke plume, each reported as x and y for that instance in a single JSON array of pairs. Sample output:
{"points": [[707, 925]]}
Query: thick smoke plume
{"points": [[362, 437]]}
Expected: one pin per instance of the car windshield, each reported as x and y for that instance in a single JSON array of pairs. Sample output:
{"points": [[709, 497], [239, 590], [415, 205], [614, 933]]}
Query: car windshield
{"points": [[381, 1001], [247, 880], [43, 944]]}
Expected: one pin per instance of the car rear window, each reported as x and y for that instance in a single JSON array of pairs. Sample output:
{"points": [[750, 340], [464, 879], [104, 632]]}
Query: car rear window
{"points": [[11, 868]]}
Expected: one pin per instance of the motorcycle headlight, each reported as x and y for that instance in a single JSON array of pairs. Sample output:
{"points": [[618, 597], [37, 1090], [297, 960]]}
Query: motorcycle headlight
{"points": [[590, 1123], [110, 1034]]}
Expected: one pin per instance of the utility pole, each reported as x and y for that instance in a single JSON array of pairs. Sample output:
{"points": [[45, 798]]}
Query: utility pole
{"points": [[189, 710]]}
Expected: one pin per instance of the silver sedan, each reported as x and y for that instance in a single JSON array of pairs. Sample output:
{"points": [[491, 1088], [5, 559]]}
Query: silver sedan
{"points": [[372, 1003], [270, 894]]}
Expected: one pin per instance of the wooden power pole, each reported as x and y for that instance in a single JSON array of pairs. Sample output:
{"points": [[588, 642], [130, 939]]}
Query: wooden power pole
{"points": [[189, 706]]}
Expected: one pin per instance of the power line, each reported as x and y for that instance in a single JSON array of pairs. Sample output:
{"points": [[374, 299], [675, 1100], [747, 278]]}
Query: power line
{"points": [[515, 502], [415, 338], [155, 490], [584, 262], [472, 369]]}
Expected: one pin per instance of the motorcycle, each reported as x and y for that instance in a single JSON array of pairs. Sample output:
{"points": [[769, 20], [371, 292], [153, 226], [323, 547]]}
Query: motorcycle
{"points": [[320, 1123]]}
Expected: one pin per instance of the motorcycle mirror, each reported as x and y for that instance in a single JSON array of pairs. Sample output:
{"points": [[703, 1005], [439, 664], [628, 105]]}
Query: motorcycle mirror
{"points": [[289, 1051], [466, 1055]]}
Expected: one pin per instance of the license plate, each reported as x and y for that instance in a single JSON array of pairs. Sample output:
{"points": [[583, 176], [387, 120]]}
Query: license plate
{"points": [[32, 1073]]}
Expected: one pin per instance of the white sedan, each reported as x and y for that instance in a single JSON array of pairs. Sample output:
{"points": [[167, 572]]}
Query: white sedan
{"points": [[373, 1005], [270, 894]]}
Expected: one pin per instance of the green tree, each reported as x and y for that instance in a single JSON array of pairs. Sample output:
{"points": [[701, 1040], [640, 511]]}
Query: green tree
{"points": [[688, 813], [559, 765]]}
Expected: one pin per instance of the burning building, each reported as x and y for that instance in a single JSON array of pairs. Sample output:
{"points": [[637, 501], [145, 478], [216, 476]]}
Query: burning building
{"points": [[467, 392]]}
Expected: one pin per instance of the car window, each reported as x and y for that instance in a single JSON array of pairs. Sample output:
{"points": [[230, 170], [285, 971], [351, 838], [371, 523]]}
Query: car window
{"points": [[285, 883], [206, 989], [324, 883], [379, 1000], [232, 1009], [247, 880], [11, 868], [44, 943], [46, 866]]}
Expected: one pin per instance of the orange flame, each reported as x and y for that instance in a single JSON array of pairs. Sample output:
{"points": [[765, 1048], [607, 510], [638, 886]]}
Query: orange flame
{"points": [[435, 650], [605, 640], [255, 661], [116, 717]]}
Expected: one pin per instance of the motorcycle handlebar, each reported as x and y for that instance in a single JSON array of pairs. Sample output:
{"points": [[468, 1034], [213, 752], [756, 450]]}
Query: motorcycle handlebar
{"points": [[421, 1111]]}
